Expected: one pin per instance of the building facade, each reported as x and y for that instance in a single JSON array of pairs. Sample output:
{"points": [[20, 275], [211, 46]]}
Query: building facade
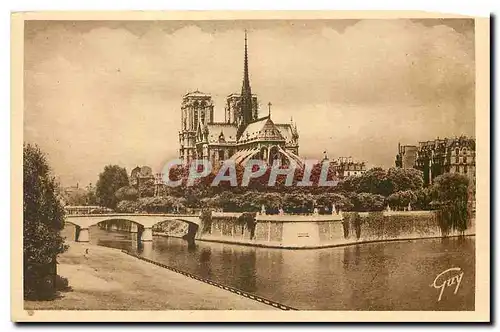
{"points": [[440, 156], [242, 136], [407, 156], [343, 167]]}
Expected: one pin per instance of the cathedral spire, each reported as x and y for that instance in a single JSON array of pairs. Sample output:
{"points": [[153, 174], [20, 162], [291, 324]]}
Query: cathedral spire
{"points": [[246, 94]]}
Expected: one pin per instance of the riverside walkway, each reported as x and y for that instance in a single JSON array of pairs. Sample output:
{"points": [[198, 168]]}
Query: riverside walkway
{"points": [[108, 279]]}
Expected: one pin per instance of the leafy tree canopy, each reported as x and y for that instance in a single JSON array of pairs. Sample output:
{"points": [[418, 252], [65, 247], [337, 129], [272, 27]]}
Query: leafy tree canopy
{"points": [[110, 180], [43, 218]]}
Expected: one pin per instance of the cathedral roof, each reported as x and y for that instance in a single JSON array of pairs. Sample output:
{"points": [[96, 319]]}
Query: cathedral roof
{"points": [[228, 130], [263, 128], [286, 131], [197, 94]]}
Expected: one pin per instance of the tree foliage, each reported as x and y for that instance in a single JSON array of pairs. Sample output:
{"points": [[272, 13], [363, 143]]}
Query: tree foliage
{"points": [[403, 179], [324, 202], [401, 199], [110, 180], [164, 204], [127, 193], [381, 182], [146, 187], [368, 202], [43, 219], [78, 196], [451, 197]]}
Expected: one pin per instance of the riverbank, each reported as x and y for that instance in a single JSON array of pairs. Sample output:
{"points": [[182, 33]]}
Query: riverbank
{"points": [[326, 231], [107, 279]]}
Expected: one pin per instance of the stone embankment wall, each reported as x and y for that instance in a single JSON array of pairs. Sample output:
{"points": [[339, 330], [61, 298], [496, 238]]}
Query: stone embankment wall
{"points": [[394, 225], [317, 231]]}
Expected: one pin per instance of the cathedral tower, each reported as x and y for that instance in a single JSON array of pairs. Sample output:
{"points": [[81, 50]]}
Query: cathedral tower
{"points": [[197, 109]]}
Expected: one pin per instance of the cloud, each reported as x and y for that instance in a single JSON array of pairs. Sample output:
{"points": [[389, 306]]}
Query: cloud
{"points": [[107, 94]]}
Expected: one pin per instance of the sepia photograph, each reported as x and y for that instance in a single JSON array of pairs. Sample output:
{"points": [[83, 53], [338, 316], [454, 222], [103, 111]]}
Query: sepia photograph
{"points": [[210, 164]]}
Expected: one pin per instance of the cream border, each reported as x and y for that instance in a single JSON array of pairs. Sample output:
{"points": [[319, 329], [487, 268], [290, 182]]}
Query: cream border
{"points": [[482, 305]]}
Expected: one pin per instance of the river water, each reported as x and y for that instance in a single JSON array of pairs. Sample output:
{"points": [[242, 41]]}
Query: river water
{"points": [[378, 276]]}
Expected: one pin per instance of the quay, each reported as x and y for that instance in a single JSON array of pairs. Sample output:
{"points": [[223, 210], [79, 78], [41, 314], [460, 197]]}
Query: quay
{"points": [[108, 279]]}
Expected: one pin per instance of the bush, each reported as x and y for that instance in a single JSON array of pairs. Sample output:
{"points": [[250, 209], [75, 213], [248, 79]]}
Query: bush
{"points": [[62, 284]]}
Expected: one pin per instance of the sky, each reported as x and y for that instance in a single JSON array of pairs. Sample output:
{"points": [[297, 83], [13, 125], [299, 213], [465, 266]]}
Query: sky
{"points": [[109, 92]]}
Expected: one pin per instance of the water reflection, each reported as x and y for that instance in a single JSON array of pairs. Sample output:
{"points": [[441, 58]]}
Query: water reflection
{"points": [[378, 276]]}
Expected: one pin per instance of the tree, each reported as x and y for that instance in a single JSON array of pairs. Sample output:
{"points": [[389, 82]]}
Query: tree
{"points": [[375, 181], [110, 180], [325, 201], [127, 193], [228, 201], [401, 199], [405, 179], [43, 219], [451, 197], [91, 198], [350, 184], [78, 196], [298, 203], [271, 201], [423, 198], [146, 187], [369, 202]]}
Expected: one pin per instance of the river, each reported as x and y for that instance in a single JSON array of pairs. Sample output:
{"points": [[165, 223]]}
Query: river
{"points": [[377, 276]]}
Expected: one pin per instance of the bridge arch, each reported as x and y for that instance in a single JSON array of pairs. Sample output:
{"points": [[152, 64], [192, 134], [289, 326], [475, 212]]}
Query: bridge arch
{"points": [[145, 221]]}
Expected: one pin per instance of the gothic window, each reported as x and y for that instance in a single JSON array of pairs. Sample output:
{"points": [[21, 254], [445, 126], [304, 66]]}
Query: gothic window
{"points": [[457, 169], [221, 154], [465, 169]]}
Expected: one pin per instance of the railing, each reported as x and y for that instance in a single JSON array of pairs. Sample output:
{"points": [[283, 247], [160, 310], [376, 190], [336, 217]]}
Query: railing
{"points": [[86, 209]]}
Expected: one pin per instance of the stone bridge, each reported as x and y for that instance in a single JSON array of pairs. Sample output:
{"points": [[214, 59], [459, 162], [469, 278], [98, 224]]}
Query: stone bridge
{"points": [[144, 221]]}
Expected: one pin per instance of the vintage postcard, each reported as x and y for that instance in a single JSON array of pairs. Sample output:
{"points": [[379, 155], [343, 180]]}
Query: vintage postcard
{"points": [[250, 166]]}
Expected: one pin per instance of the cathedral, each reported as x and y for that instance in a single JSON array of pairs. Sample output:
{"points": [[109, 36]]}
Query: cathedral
{"points": [[242, 136]]}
